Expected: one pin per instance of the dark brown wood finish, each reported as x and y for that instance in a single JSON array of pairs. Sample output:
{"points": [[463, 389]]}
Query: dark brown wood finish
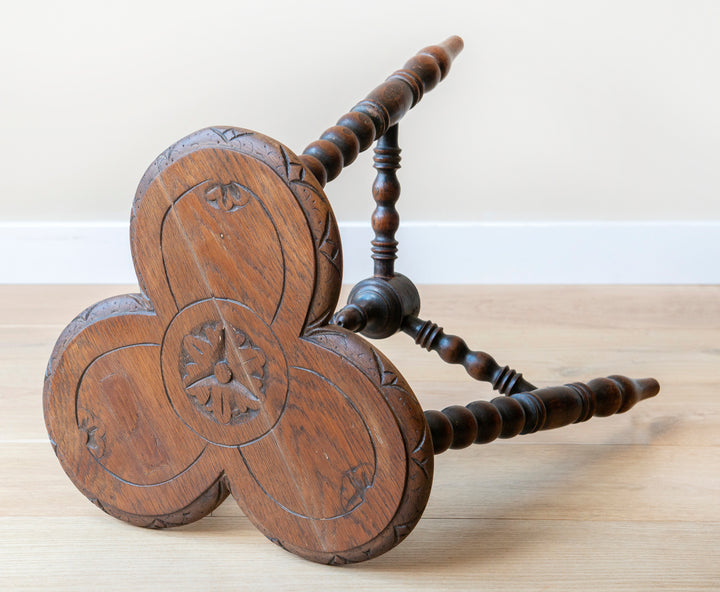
{"points": [[386, 191], [368, 121], [453, 350], [229, 373], [481, 422]]}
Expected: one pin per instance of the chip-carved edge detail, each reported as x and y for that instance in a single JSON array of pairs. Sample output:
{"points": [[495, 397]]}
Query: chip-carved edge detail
{"points": [[418, 445], [205, 503], [110, 307]]}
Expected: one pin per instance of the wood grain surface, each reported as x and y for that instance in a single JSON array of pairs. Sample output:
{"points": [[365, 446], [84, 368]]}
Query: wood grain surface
{"points": [[625, 503], [222, 376]]}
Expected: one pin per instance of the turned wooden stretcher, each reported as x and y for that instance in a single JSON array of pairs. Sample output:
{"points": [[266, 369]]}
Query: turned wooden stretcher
{"points": [[232, 371]]}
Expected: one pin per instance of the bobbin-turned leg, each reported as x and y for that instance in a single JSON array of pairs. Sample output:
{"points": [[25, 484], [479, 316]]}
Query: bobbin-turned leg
{"points": [[541, 409], [385, 106]]}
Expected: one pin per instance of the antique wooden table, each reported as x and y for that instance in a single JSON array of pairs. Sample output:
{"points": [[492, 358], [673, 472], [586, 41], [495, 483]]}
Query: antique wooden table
{"points": [[232, 372]]}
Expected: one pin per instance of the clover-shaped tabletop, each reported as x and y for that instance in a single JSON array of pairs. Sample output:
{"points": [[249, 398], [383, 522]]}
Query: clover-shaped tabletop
{"points": [[223, 375]]}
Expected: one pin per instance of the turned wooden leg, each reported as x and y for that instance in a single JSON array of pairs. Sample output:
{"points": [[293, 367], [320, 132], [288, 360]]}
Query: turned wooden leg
{"points": [[372, 117], [453, 350], [481, 422]]}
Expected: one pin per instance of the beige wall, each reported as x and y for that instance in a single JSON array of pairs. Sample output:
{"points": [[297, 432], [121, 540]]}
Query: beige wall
{"points": [[557, 110]]}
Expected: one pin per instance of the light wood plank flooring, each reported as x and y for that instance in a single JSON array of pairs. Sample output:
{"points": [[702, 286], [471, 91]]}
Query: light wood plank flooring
{"points": [[630, 502]]}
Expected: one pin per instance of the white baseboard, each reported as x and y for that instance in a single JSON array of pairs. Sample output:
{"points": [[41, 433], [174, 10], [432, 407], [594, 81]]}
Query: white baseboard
{"points": [[430, 252]]}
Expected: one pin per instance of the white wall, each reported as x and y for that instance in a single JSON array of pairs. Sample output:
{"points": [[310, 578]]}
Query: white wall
{"points": [[556, 110]]}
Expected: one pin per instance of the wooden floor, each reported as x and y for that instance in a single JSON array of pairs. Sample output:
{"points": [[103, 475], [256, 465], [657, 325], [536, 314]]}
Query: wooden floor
{"points": [[630, 502]]}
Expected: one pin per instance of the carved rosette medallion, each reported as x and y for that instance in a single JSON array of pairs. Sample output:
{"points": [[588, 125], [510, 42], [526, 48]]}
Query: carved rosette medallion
{"points": [[224, 372]]}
